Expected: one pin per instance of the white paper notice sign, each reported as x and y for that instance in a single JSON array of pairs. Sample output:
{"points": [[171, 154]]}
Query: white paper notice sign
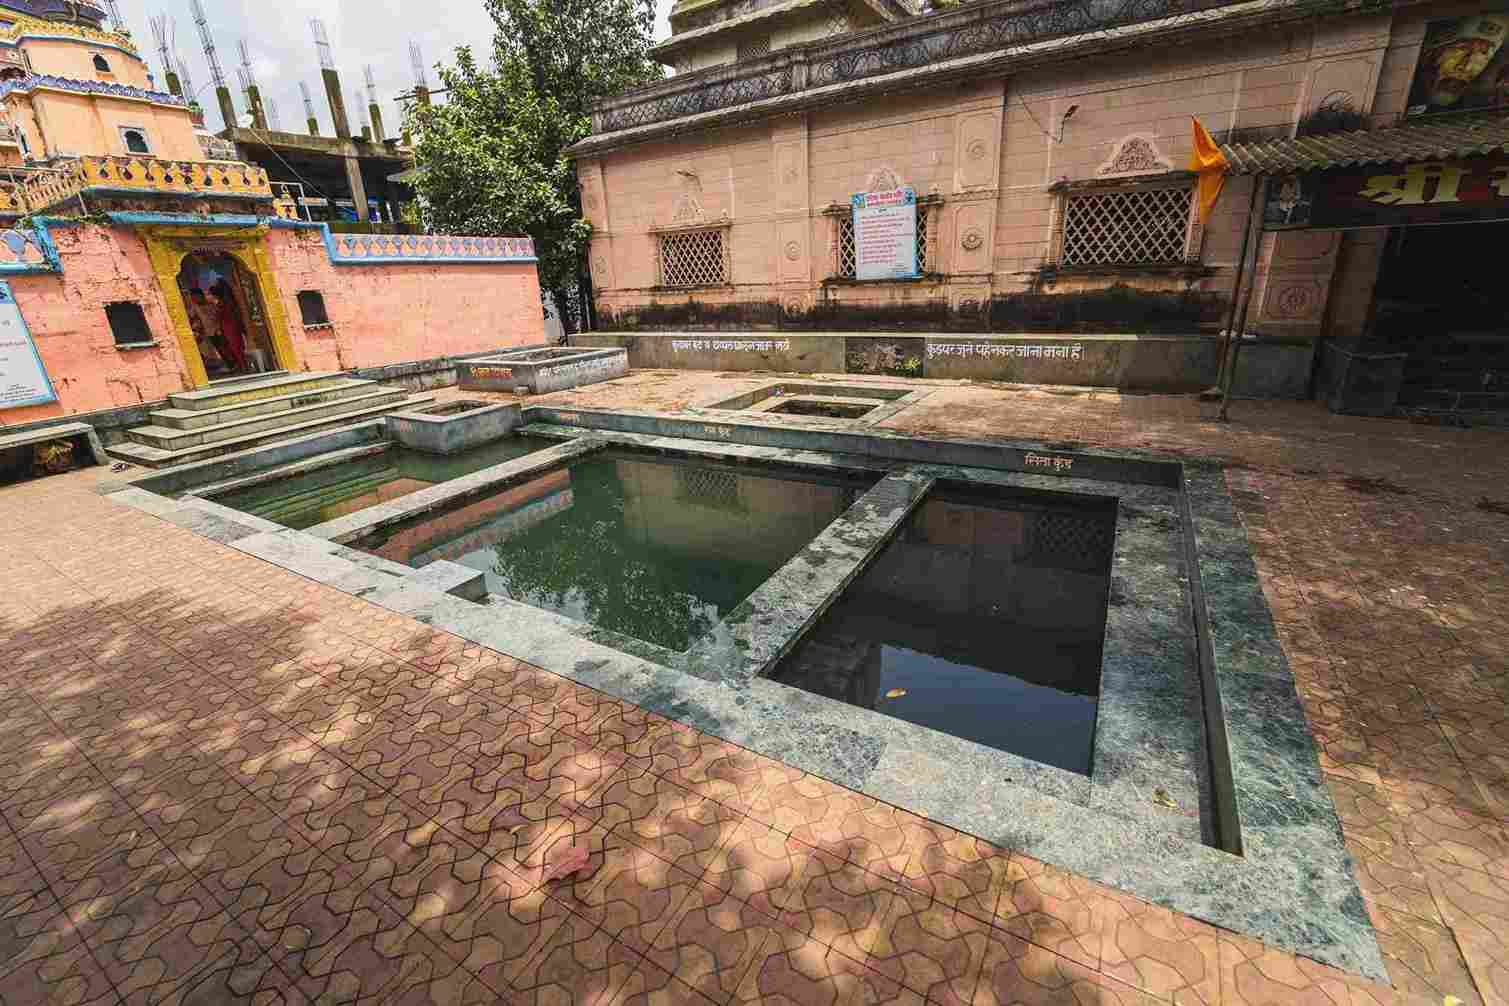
{"points": [[23, 381], [885, 234]]}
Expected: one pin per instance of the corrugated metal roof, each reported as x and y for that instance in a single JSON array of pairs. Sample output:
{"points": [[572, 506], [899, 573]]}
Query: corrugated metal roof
{"points": [[1425, 141]]}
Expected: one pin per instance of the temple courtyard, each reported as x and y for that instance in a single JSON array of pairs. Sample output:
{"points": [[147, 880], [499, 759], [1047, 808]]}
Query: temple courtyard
{"points": [[223, 782]]}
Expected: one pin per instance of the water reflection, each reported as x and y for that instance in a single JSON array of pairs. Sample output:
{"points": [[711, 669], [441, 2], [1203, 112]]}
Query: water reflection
{"points": [[983, 619], [655, 548]]}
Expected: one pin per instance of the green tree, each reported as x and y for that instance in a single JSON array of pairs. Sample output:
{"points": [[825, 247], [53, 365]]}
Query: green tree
{"points": [[490, 158]]}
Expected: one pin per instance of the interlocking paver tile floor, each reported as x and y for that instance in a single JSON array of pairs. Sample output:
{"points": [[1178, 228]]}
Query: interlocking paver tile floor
{"points": [[223, 783]]}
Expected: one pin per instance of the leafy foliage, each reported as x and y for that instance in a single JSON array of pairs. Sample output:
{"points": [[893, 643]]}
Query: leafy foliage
{"points": [[490, 157]]}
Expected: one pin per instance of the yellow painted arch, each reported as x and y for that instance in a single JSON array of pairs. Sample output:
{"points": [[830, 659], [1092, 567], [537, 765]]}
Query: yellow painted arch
{"points": [[168, 245]]}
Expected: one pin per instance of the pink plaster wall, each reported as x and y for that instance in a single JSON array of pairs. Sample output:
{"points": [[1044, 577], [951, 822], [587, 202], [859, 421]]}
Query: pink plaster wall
{"points": [[393, 313], [381, 314], [991, 150], [66, 315]]}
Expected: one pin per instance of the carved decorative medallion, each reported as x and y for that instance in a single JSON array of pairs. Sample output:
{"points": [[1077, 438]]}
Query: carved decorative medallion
{"points": [[972, 239], [882, 180], [1295, 300], [689, 202], [1136, 155], [977, 150], [793, 251], [600, 266]]}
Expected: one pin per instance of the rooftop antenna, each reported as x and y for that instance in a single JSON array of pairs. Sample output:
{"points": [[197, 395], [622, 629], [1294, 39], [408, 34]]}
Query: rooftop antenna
{"points": [[273, 118], [371, 78], [310, 118], [217, 75], [115, 15]]}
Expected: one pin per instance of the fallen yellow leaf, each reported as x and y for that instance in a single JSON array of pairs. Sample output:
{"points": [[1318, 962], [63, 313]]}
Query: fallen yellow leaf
{"points": [[895, 693]]}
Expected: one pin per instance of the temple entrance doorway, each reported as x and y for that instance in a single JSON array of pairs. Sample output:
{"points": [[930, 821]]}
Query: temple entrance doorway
{"points": [[226, 315]]}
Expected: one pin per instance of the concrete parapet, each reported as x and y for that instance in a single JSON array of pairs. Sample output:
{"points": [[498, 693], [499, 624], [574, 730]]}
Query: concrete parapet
{"points": [[1146, 363], [542, 370]]}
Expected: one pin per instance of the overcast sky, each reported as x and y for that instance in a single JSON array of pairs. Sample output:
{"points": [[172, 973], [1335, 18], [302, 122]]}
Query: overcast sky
{"points": [[283, 52]]}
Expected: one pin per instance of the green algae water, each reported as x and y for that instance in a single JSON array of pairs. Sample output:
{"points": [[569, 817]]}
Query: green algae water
{"points": [[327, 493], [654, 547], [984, 618]]}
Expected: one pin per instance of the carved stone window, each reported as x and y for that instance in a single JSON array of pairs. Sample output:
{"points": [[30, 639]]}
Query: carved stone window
{"points": [[1128, 225], [694, 258], [845, 259]]}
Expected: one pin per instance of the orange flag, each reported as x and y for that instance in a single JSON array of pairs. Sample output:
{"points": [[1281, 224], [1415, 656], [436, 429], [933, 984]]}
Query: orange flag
{"points": [[1210, 164]]}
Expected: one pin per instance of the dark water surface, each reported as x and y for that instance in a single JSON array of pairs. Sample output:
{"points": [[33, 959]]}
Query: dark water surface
{"points": [[306, 500], [654, 547], [987, 614]]}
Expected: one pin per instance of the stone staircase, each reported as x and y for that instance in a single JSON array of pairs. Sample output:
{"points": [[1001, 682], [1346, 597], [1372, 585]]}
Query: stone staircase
{"points": [[242, 413]]}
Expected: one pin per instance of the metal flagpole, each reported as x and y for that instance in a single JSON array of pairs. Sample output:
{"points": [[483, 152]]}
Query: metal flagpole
{"points": [[1236, 289], [1259, 208]]}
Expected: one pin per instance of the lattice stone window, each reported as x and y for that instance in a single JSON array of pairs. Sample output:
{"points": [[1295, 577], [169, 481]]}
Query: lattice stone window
{"points": [[753, 48], [709, 487], [694, 258], [847, 267], [1071, 541], [1145, 225]]}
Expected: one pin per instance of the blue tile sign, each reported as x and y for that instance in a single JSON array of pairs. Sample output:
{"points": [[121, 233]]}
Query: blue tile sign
{"points": [[885, 234], [23, 379]]}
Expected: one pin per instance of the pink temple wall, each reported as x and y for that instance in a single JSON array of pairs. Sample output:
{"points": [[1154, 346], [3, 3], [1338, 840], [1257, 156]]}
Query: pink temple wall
{"points": [[390, 314], [380, 314]]}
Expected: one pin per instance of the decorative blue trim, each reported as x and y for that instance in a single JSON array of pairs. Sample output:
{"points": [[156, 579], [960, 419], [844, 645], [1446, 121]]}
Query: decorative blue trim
{"points": [[26, 85], [39, 238], [484, 250], [138, 218], [6, 297], [106, 190], [428, 249]]}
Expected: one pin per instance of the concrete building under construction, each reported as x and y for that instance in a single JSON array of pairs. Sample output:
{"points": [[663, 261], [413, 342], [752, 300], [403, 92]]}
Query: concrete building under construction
{"points": [[341, 178]]}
